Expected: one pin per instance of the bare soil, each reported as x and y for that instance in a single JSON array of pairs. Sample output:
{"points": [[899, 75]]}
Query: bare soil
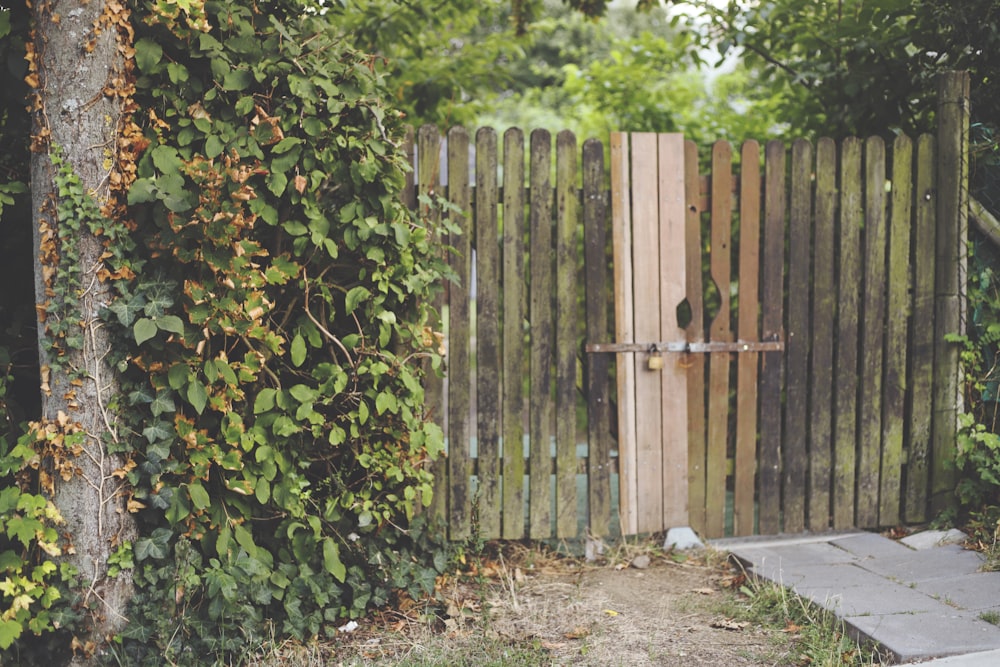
{"points": [[669, 610]]}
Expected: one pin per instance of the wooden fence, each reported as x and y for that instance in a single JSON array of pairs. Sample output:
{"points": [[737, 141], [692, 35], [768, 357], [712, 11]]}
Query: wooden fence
{"points": [[813, 385]]}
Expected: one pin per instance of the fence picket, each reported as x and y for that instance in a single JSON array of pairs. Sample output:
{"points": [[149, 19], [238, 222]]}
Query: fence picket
{"points": [[772, 328], [695, 334], [621, 215], [920, 406], [459, 402], [824, 300], [719, 331], [488, 396], [846, 346], [896, 340], [646, 295], [428, 176], [795, 445], [514, 308], [565, 325], [540, 304], [597, 365], [673, 382], [872, 335], [746, 391]]}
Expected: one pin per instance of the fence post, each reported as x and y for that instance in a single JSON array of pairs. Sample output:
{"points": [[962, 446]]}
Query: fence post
{"points": [[949, 307]]}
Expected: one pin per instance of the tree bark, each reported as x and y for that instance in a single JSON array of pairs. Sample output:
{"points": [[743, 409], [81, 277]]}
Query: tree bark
{"points": [[77, 60]]}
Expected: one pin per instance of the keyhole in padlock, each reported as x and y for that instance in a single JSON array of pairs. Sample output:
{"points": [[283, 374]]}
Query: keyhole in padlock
{"points": [[655, 360]]}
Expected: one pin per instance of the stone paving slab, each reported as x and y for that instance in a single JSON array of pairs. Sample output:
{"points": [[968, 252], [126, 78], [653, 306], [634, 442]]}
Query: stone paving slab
{"points": [[919, 600], [911, 637]]}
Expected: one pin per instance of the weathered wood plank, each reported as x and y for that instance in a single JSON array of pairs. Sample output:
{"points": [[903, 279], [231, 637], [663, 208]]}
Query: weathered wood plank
{"points": [[952, 228], [514, 309], [872, 335], [621, 215], [541, 352], [646, 294], [748, 330], [824, 305], [772, 312], [695, 333], [459, 401], [795, 445], [488, 389], [849, 276], [597, 365], [567, 219], [921, 357], [673, 288], [429, 175], [720, 330], [896, 339]]}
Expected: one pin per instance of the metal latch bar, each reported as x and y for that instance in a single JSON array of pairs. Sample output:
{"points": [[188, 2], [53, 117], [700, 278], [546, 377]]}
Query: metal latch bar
{"points": [[684, 347]]}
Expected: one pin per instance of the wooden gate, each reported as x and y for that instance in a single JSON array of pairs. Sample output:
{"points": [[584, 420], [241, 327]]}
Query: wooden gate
{"points": [[798, 307]]}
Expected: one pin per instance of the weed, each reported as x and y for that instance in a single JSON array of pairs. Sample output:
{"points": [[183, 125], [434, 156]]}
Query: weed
{"points": [[991, 617]]}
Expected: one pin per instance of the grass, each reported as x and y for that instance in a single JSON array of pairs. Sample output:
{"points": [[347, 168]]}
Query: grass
{"points": [[820, 638]]}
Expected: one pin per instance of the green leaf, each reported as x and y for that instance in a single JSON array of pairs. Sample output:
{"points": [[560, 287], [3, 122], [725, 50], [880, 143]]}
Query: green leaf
{"points": [[126, 310], [386, 401], [147, 54], [170, 323], [214, 146], [199, 496], [9, 632], [354, 297], [303, 393], [298, 350], [178, 375], [264, 402], [166, 159], [162, 403], [331, 560], [197, 396], [237, 79], [144, 329]]}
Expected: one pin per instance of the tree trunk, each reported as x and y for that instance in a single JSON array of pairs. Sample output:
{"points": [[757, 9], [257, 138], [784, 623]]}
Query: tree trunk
{"points": [[77, 61]]}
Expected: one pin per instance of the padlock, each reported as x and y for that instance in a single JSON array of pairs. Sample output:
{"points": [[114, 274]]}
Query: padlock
{"points": [[655, 360]]}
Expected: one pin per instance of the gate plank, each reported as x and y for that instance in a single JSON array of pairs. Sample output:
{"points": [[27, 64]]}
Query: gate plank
{"points": [[746, 392], [514, 308], [597, 365], [695, 334], [824, 304], [796, 447], [459, 403], [488, 389], [428, 176], [922, 336], [566, 293], [541, 411], [718, 377], [898, 284], [772, 307], [673, 386], [872, 335], [621, 214], [646, 293], [846, 344]]}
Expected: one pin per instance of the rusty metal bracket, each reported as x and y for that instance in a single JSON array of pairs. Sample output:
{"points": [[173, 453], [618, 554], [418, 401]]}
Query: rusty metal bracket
{"points": [[685, 348]]}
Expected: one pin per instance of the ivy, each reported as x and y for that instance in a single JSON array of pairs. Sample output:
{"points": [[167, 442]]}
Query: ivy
{"points": [[275, 341]]}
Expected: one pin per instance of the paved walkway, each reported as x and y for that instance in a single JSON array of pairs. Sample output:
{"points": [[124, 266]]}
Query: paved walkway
{"points": [[920, 598]]}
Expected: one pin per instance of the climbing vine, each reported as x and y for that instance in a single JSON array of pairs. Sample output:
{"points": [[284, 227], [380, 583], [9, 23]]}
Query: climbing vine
{"points": [[273, 340]]}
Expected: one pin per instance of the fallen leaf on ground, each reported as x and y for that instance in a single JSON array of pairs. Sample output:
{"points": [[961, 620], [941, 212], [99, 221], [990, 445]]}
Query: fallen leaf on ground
{"points": [[730, 624], [577, 633], [792, 628], [703, 591], [610, 612]]}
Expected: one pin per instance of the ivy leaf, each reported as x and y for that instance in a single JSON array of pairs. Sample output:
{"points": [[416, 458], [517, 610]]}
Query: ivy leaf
{"points": [[9, 632], [303, 393], [162, 403], [156, 546], [331, 560], [170, 323], [199, 496], [166, 159], [147, 54], [126, 310], [354, 297], [386, 401], [156, 432], [264, 402], [144, 329], [197, 396], [298, 350]]}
